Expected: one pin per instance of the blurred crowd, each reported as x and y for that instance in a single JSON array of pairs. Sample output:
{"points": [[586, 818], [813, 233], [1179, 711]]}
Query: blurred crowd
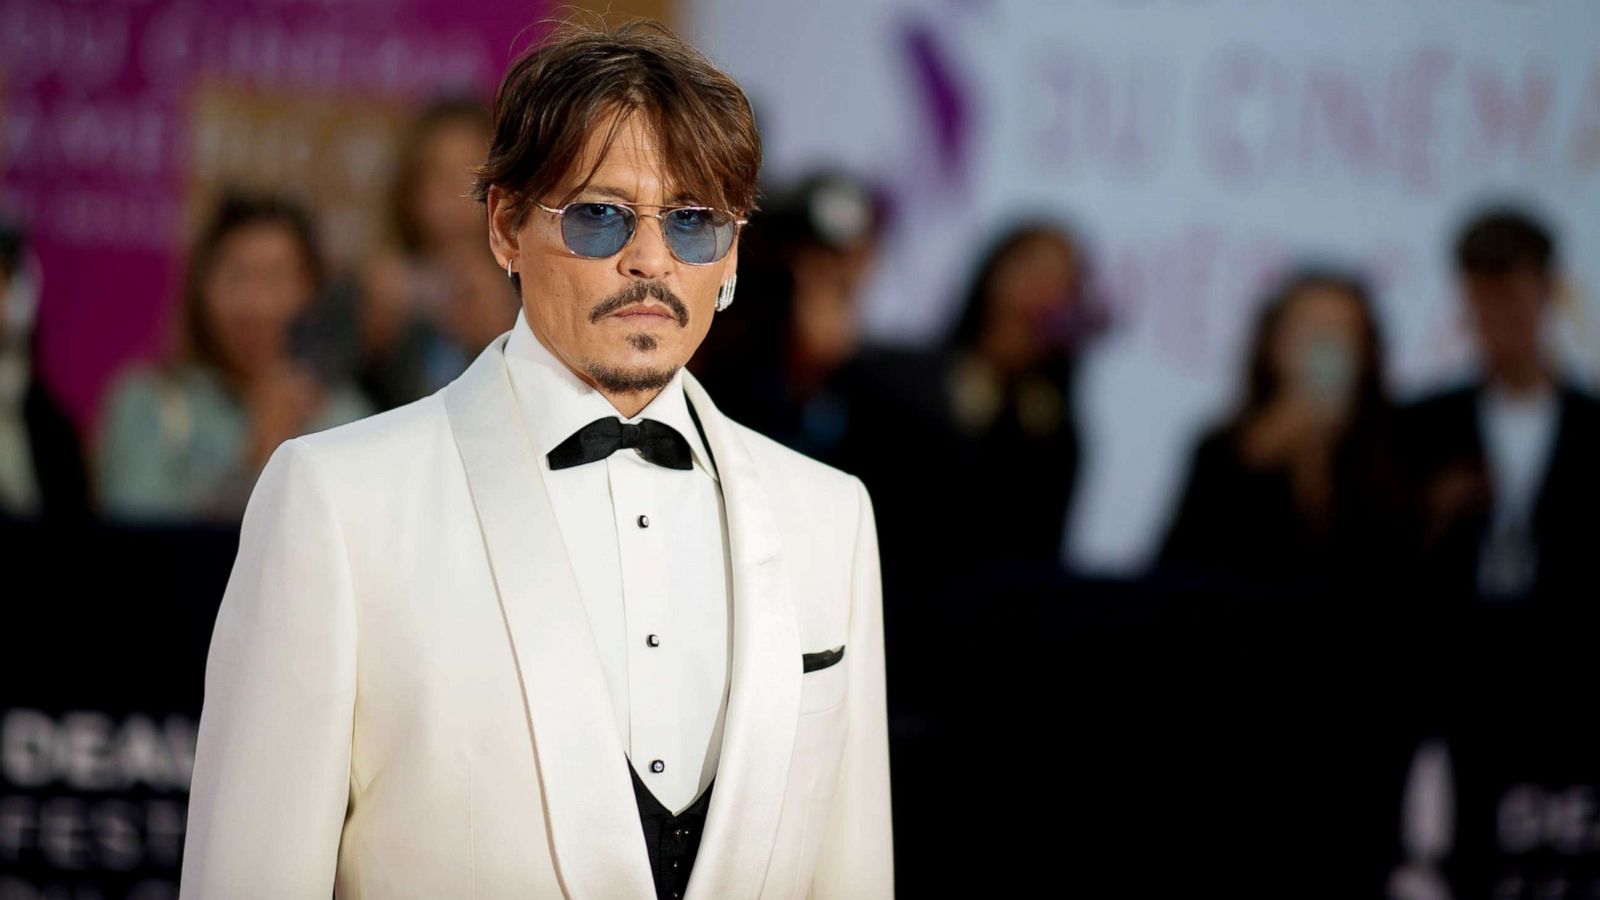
{"points": [[1318, 480], [266, 343]]}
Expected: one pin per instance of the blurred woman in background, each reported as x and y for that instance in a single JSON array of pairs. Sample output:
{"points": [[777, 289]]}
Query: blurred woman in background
{"points": [[1298, 488], [1008, 392], [785, 364], [186, 440], [434, 300], [972, 449]]}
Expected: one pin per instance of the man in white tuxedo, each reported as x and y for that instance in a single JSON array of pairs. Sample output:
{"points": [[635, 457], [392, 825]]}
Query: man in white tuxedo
{"points": [[528, 636]]}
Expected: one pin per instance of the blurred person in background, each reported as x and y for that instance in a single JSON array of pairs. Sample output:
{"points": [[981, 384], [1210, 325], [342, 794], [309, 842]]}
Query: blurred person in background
{"points": [[783, 367], [433, 300], [186, 440], [1508, 462], [1297, 489], [976, 443], [973, 447], [1008, 391], [42, 473]]}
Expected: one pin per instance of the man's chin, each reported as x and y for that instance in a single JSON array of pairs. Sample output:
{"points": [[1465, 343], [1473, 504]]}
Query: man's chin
{"points": [[629, 378]]}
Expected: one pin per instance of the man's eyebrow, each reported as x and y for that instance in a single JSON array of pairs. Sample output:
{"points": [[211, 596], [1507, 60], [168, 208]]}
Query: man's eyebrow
{"points": [[680, 198], [606, 191]]}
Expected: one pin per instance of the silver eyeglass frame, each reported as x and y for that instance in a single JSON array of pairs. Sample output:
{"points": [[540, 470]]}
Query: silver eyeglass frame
{"points": [[659, 215]]}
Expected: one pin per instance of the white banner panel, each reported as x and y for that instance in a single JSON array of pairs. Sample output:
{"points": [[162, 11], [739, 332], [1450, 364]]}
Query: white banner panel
{"points": [[1199, 145]]}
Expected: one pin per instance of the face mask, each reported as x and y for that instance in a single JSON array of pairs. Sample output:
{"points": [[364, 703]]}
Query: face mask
{"points": [[1328, 371]]}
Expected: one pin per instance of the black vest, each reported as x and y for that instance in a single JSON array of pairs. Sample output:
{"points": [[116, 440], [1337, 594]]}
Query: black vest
{"points": [[671, 840]]}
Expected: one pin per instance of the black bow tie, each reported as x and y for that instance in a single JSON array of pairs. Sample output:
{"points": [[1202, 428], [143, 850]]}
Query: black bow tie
{"points": [[657, 442]]}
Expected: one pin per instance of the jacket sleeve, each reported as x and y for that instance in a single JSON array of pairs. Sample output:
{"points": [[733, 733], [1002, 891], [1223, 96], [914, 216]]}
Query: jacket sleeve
{"points": [[857, 855], [272, 762]]}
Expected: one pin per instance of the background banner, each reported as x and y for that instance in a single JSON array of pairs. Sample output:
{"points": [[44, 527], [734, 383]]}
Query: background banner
{"points": [[1199, 145]]}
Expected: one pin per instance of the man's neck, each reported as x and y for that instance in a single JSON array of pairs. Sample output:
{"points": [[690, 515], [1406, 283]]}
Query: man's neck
{"points": [[1524, 381], [627, 404]]}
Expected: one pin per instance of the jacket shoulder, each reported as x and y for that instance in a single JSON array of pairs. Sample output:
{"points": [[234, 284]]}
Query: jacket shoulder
{"points": [[1453, 401], [384, 440], [793, 467], [1581, 400], [1580, 415]]}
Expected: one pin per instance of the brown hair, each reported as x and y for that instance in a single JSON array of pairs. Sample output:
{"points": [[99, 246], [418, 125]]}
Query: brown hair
{"points": [[235, 211], [1262, 381], [447, 112], [1501, 240], [553, 97]]}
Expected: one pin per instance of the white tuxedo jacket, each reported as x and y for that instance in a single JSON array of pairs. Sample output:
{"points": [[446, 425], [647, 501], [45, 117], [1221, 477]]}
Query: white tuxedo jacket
{"points": [[403, 697]]}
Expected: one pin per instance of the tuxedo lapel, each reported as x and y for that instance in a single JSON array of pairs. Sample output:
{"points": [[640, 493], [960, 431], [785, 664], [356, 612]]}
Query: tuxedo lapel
{"points": [[764, 697], [591, 815]]}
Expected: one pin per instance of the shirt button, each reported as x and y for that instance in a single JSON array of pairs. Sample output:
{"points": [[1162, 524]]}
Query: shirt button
{"points": [[644, 521], [657, 766], [653, 640]]}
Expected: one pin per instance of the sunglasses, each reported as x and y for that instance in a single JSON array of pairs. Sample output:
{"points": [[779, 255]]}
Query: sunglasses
{"points": [[696, 235]]}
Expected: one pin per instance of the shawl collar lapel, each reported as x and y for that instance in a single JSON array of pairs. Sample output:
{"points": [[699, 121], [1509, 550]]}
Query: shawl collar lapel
{"points": [[591, 816], [764, 697]]}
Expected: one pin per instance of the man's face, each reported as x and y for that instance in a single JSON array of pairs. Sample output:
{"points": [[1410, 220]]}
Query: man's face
{"points": [[1507, 311], [628, 322]]}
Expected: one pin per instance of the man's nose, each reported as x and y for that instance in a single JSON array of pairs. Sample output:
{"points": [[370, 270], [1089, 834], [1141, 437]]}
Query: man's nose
{"points": [[646, 256]]}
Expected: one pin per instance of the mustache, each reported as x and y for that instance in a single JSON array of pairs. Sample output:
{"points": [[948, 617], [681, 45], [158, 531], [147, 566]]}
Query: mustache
{"points": [[635, 294]]}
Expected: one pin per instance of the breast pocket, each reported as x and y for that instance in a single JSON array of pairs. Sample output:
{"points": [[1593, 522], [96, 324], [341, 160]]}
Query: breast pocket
{"points": [[823, 681]]}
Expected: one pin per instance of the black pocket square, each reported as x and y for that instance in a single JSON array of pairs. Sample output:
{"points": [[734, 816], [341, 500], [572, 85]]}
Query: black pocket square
{"points": [[810, 662]]}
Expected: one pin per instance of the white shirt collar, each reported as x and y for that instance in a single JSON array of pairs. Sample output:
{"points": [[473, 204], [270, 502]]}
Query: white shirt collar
{"points": [[556, 402]]}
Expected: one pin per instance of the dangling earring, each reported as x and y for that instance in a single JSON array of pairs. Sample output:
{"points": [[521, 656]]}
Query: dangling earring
{"points": [[725, 293]]}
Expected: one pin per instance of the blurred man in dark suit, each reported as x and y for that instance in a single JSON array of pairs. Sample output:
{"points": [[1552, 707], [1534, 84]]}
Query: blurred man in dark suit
{"points": [[1507, 463]]}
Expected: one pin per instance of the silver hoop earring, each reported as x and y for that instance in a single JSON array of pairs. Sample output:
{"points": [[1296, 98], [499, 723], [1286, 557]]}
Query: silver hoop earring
{"points": [[725, 293], [510, 276]]}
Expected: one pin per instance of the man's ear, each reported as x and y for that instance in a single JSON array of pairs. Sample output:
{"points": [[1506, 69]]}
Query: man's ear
{"points": [[502, 234]]}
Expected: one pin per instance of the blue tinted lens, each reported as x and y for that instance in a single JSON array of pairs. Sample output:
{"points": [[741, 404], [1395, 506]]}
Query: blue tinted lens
{"points": [[698, 236], [596, 229]]}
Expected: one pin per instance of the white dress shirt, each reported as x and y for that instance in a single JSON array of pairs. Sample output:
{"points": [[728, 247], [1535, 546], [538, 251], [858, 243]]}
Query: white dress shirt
{"points": [[1518, 433], [649, 550]]}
